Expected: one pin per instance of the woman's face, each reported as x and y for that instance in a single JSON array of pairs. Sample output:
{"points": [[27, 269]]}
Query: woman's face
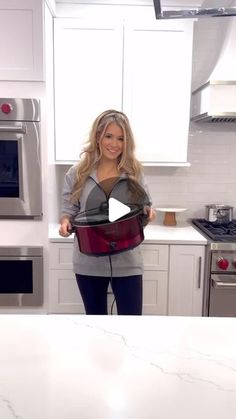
{"points": [[112, 142]]}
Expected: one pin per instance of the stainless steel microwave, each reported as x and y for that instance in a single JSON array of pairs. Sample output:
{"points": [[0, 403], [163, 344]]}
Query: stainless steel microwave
{"points": [[20, 164]]}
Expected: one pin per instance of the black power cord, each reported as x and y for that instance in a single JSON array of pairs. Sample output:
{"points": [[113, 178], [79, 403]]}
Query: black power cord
{"points": [[111, 277]]}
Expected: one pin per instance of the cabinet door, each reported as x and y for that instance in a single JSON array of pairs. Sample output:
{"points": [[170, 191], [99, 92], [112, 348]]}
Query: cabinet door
{"points": [[157, 87], [21, 40], [155, 278], [64, 293], [155, 286], [186, 280], [88, 79], [154, 294], [61, 255]]}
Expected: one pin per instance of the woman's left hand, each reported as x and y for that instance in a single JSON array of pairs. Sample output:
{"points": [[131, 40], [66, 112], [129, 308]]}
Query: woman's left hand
{"points": [[151, 214]]}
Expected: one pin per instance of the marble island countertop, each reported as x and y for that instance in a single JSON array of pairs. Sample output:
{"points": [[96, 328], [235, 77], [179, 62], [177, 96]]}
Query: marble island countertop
{"points": [[104, 367], [182, 233]]}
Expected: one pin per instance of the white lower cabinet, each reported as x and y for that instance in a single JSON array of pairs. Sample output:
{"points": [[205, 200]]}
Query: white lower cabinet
{"points": [[173, 280], [64, 293], [155, 284], [64, 296], [186, 280]]}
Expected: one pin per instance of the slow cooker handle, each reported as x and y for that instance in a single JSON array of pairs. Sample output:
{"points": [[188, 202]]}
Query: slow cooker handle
{"points": [[72, 229], [144, 219]]}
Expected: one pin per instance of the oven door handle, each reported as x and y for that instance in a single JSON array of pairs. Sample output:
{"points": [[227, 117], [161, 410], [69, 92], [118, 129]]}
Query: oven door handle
{"points": [[223, 285], [18, 130]]}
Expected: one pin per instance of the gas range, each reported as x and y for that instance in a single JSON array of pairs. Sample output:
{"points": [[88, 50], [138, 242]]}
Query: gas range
{"points": [[220, 237], [220, 268]]}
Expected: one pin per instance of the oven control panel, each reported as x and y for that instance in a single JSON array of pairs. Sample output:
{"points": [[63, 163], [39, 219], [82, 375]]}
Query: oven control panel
{"points": [[6, 108], [223, 262], [17, 109]]}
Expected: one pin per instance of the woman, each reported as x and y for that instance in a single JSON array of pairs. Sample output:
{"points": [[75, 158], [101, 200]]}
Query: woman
{"points": [[107, 159]]}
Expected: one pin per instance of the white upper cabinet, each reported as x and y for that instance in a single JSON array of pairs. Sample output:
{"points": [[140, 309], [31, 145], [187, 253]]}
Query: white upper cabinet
{"points": [[157, 86], [142, 69], [21, 40], [88, 79]]}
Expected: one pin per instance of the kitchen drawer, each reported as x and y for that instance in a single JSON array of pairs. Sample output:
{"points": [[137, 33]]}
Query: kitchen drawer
{"points": [[155, 257]]}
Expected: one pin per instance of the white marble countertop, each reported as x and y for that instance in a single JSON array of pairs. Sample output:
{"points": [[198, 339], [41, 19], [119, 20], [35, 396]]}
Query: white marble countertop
{"points": [[115, 367], [182, 233]]}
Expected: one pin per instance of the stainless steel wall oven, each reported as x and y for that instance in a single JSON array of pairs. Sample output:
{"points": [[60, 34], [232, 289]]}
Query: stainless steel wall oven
{"points": [[21, 276], [20, 165]]}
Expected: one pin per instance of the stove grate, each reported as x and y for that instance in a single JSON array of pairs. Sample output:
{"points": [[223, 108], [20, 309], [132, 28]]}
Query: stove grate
{"points": [[226, 232]]}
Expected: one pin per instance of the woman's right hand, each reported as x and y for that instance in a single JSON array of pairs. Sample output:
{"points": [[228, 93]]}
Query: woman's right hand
{"points": [[65, 228]]}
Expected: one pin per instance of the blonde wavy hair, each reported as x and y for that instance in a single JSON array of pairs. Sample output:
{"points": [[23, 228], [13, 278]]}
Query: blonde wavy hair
{"points": [[91, 154]]}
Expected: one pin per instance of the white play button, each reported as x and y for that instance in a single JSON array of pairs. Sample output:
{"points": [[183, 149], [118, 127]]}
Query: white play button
{"points": [[116, 209]]}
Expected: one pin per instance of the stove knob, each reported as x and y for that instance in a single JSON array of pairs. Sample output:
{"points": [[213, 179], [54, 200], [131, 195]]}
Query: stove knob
{"points": [[6, 108], [222, 263]]}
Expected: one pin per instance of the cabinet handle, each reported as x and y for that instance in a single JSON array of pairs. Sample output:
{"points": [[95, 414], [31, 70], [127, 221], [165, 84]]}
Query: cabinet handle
{"points": [[199, 272], [15, 129], [223, 285]]}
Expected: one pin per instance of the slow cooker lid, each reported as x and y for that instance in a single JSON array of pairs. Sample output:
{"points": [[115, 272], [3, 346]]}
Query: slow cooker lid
{"points": [[99, 216]]}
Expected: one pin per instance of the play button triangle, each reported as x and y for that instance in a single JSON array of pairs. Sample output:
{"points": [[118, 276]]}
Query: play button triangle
{"points": [[116, 209]]}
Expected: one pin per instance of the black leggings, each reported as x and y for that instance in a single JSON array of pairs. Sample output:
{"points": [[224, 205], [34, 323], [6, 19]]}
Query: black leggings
{"points": [[128, 292]]}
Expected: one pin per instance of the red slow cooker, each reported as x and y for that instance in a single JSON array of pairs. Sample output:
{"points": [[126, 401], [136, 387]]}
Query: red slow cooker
{"points": [[98, 236]]}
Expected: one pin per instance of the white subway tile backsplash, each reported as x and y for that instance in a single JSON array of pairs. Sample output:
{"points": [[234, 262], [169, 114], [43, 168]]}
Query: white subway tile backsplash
{"points": [[211, 178]]}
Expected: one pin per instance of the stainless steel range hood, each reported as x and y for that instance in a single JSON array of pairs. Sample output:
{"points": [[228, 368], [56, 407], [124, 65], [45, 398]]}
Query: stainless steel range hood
{"points": [[215, 101]]}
